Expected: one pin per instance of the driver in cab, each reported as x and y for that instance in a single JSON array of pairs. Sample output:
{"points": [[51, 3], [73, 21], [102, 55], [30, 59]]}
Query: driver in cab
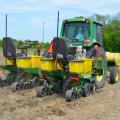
{"points": [[79, 35]]}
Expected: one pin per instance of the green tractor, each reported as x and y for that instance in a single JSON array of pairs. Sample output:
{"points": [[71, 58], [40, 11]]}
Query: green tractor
{"points": [[77, 64], [88, 34]]}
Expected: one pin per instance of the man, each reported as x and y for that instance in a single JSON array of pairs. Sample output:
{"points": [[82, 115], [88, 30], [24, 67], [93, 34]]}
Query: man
{"points": [[23, 52], [38, 47], [79, 36]]}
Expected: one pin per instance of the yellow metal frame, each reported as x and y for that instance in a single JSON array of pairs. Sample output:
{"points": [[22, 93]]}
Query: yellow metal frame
{"points": [[117, 76]]}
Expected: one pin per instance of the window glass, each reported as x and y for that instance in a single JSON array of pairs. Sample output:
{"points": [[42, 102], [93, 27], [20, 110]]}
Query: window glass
{"points": [[97, 32], [76, 30]]}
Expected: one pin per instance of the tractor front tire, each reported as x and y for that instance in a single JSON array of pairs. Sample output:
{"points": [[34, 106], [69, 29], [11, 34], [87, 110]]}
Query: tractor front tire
{"points": [[100, 80], [114, 75]]}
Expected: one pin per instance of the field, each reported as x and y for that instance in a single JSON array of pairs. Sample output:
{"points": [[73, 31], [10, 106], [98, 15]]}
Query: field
{"points": [[24, 105], [104, 104]]}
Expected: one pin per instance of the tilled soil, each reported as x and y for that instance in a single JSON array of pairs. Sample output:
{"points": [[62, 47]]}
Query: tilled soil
{"points": [[104, 104]]}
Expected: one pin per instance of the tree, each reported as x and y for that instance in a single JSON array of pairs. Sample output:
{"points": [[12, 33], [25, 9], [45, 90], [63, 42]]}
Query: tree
{"points": [[111, 36], [19, 43], [104, 19]]}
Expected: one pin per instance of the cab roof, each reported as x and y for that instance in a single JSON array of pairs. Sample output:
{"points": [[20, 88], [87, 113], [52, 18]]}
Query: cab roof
{"points": [[78, 19]]}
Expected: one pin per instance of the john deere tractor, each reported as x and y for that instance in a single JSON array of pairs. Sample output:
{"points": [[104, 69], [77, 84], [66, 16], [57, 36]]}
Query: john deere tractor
{"points": [[77, 63]]}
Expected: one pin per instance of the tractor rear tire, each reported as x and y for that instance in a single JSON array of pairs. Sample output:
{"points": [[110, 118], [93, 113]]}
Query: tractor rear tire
{"points": [[114, 75]]}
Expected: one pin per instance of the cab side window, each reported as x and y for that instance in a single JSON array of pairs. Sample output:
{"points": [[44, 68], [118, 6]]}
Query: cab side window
{"points": [[97, 32]]}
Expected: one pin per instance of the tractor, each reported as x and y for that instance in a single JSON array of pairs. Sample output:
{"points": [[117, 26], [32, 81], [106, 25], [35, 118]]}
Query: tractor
{"points": [[77, 64]]}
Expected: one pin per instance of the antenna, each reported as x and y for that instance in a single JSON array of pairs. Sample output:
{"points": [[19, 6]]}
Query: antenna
{"points": [[43, 31], [6, 26], [58, 25]]}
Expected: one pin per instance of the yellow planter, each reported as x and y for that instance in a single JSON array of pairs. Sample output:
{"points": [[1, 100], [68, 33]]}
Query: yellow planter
{"points": [[27, 62], [36, 61], [23, 62], [80, 66], [49, 65]]}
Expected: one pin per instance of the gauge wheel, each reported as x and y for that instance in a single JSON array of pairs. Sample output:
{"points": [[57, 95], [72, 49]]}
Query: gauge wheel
{"points": [[86, 90], [41, 91], [4, 83], [26, 85], [70, 95], [35, 82], [16, 86]]}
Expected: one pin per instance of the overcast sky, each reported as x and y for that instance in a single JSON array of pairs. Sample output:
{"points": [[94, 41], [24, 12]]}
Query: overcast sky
{"points": [[25, 17]]}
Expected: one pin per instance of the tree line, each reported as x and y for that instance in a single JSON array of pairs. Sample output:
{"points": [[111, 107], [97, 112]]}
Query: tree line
{"points": [[18, 43]]}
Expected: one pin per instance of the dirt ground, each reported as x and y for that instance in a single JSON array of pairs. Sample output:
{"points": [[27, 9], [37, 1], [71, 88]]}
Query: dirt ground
{"points": [[104, 104], [24, 105]]}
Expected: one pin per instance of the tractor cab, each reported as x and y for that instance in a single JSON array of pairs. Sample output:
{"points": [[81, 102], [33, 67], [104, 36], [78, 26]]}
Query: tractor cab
{"points": [[81, 31]]}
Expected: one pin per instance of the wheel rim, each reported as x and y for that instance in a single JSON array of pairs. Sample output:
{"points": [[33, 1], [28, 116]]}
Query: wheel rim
{"points": [[99, 77], [116, 76]]}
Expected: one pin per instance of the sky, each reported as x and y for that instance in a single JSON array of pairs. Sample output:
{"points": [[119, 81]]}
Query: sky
{"points": [[25, 17]]}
